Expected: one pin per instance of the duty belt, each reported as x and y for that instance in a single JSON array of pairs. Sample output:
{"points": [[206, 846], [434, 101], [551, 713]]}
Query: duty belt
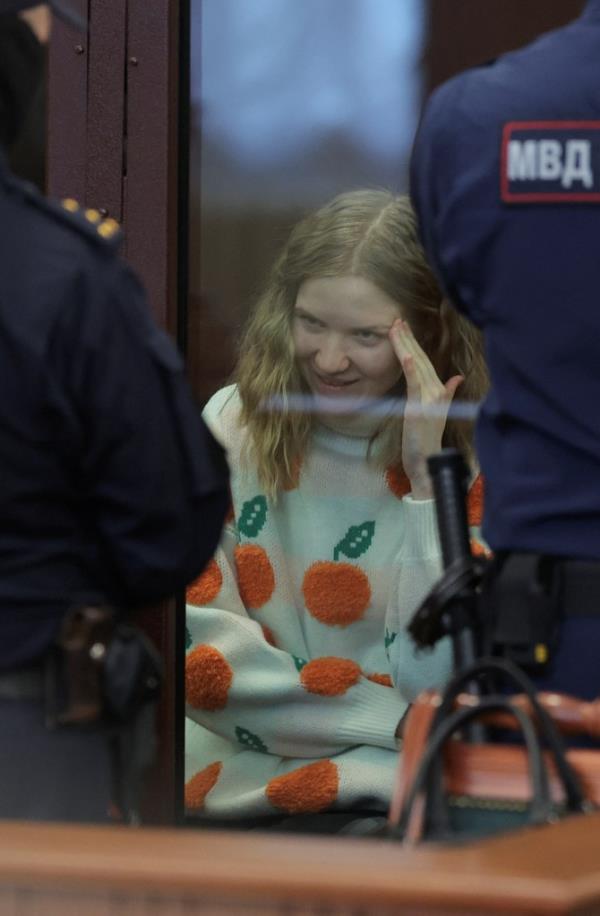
{"points": [[580, 588], [524, 598]]}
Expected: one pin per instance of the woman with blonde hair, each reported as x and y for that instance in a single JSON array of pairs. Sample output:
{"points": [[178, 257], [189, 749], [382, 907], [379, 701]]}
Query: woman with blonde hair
{"points": [[299, 670]]}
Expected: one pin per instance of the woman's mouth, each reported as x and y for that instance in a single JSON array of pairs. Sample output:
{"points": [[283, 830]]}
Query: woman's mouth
{"points": [[332, 385]]}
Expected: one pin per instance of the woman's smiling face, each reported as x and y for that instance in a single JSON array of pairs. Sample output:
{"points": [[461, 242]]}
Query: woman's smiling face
{"points": [[341, 337]]}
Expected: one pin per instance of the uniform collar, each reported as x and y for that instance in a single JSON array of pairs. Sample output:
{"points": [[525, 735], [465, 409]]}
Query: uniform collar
{"points": [[591, 10]]}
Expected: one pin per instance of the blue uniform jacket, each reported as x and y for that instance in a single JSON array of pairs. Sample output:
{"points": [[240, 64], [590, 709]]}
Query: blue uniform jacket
{"points": [[111, 487], [506, 184]]}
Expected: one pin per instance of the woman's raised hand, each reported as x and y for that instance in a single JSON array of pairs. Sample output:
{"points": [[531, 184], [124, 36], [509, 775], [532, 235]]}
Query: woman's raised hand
{"points": [[427, 404]]}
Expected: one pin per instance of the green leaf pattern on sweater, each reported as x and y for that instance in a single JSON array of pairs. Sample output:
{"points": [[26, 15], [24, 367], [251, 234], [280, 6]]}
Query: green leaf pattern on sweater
{"points": [[253, 516], [389, 639], [250, 740], [356, 541]]}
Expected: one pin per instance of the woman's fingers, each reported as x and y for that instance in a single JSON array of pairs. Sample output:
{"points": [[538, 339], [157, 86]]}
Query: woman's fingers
{"points": [[422, 360], [452, 384], [422, 381], [428, 400], [411, 357], [397, 337], [414, 386]]}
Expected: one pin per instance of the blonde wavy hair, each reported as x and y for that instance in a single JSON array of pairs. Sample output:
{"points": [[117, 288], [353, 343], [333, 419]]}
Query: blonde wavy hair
{"points": [[371, 234]]}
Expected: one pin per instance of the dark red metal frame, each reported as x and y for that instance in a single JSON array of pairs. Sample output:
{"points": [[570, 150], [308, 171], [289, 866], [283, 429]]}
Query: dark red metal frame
{"points": [[113, 144]]}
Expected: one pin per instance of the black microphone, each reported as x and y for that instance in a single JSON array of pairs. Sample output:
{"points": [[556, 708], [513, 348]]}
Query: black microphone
{"points": [[450, 477]]}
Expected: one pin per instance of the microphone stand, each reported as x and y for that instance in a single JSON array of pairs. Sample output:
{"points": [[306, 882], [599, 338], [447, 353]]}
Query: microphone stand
{"points": [[451, 608]]}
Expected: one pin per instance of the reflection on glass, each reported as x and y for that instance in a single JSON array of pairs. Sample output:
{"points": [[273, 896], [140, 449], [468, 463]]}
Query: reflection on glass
{"points": [[298, 670], [291, 104], [332, 98]]}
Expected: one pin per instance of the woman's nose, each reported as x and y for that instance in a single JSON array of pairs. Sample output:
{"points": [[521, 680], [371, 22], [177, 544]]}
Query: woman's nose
{"points": [[331, 357]]}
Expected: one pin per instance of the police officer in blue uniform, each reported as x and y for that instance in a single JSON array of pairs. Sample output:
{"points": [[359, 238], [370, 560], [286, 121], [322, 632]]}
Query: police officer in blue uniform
{"points": [[505, 179], [112, 490]]}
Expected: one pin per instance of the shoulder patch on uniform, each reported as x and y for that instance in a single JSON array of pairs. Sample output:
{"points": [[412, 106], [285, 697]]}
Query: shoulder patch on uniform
{"points": [[91, 221], [85, 221], [550, 162]]}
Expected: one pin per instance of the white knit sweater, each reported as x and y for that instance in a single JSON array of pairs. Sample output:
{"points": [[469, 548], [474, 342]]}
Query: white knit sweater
{"points": [[295, 633]]}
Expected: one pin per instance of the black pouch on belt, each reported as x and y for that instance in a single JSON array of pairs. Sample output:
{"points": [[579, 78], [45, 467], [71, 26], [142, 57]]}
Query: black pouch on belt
{"points": [[100, 669], [520, 608]]}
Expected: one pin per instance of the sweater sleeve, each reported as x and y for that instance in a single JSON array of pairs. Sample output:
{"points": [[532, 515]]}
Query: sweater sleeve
{"points": [[242, 688], [413, 669]]}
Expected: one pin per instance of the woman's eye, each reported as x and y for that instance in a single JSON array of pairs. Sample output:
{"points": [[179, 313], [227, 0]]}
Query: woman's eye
{"points": [[309, 321], [368, 337]]}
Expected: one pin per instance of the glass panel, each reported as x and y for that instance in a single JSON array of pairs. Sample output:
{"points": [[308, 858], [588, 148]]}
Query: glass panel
{"points": [[288, 645], [291, 104], [299, 665]]}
